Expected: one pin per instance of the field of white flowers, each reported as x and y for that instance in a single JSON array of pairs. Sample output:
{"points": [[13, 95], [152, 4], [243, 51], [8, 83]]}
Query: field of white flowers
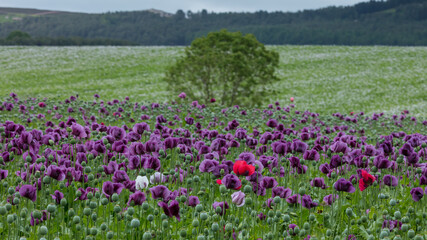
{"points": [[320, 78]]}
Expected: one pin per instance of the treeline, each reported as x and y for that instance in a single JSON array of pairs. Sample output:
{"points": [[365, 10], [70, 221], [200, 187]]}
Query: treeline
{"points": [[24, 39], [391, 22]]}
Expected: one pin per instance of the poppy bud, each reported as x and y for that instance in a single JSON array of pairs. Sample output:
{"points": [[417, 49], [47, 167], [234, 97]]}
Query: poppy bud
{"points": [[411, 234], [115, 197], [43, 230], [110, 235], [76, 219], [135, 223]]}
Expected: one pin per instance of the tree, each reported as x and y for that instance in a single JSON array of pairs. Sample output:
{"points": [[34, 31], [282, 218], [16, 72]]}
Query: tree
{"points": [[229, 66]]}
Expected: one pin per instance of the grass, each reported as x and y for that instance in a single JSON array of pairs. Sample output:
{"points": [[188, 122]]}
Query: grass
{"points": [[323, 79]]}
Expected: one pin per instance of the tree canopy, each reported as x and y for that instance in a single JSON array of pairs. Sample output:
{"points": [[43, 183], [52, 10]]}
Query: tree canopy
{"points": [[231, 67]]}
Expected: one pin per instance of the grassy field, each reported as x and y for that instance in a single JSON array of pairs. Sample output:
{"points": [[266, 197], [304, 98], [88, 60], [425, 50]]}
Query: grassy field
{"points": [[323, 79]]}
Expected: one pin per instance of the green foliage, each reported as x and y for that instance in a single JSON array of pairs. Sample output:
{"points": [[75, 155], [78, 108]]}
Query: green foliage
{"points": [[392, 22], [230, 66]]}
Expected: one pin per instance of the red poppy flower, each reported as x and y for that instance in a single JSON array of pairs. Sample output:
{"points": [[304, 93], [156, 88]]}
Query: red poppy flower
{"points": [[366, 180], [292, 99], [42, 104], [241, 168], [219, 181], [351, 113]]}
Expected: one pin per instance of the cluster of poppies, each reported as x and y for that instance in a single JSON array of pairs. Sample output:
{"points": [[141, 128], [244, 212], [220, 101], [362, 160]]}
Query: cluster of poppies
{"points": [[76, 169]]}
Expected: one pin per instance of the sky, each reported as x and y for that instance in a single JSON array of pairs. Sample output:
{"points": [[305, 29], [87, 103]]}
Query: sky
{"points": [[99, 6]]}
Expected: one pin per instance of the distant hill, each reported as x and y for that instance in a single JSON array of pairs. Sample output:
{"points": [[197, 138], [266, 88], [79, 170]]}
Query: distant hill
{"points": [[391, 22]]}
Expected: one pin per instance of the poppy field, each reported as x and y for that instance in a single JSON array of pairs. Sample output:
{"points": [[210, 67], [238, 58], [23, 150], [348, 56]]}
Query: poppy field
{"points": [[324, 79], [73, 168]]}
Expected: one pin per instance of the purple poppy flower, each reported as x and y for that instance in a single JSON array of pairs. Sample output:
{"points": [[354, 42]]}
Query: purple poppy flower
{"points": [[3, 174], [193, 201], [119, 147], [78, 130], [329, 199], [392, 224], [294, 199], [223, 205], [268, 182], [150, 162], [28, 191], [57, 196], [208, 165], [56, 172], [390, 180], [111, 168], [137, 198], [339, 147], [312, 155], [272, 123], [45, 216], [307, 202], [417, 193], [248, 157], [120, 176], [324, 168], [382, 163], [412, 159], [238, 198], [318, 182], [406, 149], [109, 188], [171, 210], [160, 192], [344, 185], [117, 133], [298, 146], [281, 192], [335, 162], [295, 162], [231, 181]]}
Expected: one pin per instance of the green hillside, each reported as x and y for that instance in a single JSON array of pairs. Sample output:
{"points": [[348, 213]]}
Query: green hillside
{"points": [[391, 22], [323, 79]]}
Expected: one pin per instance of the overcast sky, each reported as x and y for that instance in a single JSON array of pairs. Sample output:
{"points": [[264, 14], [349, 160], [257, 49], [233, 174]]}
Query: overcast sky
{"points": [[98, 6]]}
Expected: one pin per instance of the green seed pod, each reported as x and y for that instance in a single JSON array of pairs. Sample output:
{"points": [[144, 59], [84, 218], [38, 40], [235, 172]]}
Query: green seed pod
{"points": [[11, 190], [397, 215], [398, 237], [301, 191], [418, 237], [87, 211], [93, 205], [3, 210], [145, 206], [248, 201], [115, 197], [203, 216], [51, 208], [411, 234], [222, 189], [76, 219], [63, 202], [135, 223], [328, 232], [43, 230], [117, 209], [78, 227], [286, 218], [150, 217], [195, 223], [228, 227], [16, 201], [110, 235], [215, 227], [165, 224], [199, 208], [247, 189], [104, 201], [183, 233], [103, 227], [10, 219], [71, 212], [200, 237], [94, 217], [349, 212], [306, 226], [383, 234], [37, 214]]}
